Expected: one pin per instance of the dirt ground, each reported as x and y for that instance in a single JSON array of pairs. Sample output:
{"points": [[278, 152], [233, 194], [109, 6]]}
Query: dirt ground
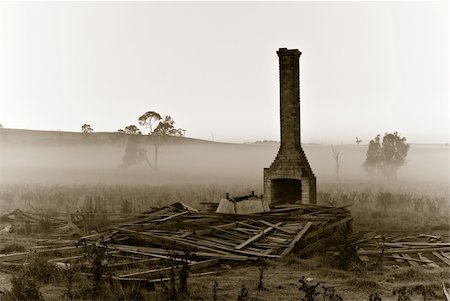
{"points": [[281, 282]]}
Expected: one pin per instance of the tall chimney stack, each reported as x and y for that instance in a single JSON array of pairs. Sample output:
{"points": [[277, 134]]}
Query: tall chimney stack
{"points": [[289, 178], [289, 97]]}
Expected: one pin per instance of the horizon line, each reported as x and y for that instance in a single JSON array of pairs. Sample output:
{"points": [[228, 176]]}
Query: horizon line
{"points": [[245, 142]]}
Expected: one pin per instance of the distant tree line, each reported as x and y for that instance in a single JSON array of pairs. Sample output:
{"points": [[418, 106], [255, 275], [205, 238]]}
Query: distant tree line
{"points": [[157, 125]]}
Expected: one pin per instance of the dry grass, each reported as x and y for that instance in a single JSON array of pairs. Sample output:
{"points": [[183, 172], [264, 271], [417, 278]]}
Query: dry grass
{"points": [[381, 209]]}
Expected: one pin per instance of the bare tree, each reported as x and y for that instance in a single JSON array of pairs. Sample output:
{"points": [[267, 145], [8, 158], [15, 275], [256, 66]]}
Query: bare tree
{"points": [[337, 160]]}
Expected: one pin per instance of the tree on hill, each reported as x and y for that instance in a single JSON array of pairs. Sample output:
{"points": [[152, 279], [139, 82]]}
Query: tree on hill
{"points": [[358, 141], [159, 127], [86, 129], [165, 127], [130, 130], [148, 119], [386, 156]]}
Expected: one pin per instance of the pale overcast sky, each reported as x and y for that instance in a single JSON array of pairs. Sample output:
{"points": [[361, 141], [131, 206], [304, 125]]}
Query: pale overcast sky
{"points": [[366, 67]]}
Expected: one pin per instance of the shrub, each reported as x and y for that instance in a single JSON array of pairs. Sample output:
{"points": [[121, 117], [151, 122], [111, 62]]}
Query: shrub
{"points": [[243, 293], [45, 225], [309, 290], [24, 288], [96, 255], [40, 270], [403, 294]]}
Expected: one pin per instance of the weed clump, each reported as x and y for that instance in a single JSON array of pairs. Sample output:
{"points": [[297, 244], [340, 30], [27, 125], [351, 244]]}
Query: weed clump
{"points": [[27, 282], [262, 266], [347, 257], [403, 294], [243, 293], [24, 288], [41, 270], [215, 286], [97, 255], [310, 291], [374, 297]]}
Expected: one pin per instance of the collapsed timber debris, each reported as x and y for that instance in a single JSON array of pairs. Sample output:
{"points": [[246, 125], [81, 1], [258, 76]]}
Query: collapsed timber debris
{"points": [[145, 249], [422, 250]]}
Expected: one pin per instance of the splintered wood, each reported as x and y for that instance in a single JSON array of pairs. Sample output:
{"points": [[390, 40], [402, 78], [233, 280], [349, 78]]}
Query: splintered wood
{"points": [[428, 251], [146, 248], [225, 236]]}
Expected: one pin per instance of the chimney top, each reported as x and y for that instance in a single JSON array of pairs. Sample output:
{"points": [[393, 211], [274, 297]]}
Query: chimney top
{"points": [[288, 51]]}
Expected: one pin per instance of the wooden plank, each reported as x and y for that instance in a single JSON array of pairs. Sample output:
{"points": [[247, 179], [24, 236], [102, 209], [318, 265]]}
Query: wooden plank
{"points": [[408, 258], [402, 250], [416, 244], [192, 266], [170, 217], [255, 237], [328, 227], [235, 216], [399, 258], [126, 256], [232, 250], [24, 255], [442, 258], [151, 282], [446, 293], [297, 237], [186, 234], [446, 255], [70, 258], [276, 227], [149, 251], [133, 262], [314, 246], [428, 262], [211, 229], [190, 275], [163, 240]]}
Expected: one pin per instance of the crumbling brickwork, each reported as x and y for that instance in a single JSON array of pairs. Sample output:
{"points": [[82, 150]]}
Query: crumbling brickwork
{"points": [[289, 178]]}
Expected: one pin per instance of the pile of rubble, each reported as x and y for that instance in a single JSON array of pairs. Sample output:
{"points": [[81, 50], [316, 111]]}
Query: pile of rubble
{"points": [[422, 250], [144, 249]]}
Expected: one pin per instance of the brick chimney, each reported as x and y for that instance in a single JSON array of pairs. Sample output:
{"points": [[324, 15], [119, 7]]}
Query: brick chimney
{"points": [[289, 178]]}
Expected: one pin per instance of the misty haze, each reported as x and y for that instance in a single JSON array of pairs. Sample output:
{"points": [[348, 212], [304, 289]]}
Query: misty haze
{"points": [[224, 151]]}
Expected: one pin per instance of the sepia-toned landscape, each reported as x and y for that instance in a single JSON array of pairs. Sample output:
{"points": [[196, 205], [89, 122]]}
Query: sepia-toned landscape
{"points": [[55, 174], [249, 151]]}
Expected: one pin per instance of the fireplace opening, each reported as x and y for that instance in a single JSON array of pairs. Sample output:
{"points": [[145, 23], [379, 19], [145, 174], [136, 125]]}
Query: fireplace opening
{"points": [[286, 190]]}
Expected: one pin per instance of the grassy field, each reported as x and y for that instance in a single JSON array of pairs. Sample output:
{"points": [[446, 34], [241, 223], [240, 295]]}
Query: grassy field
{"points": [[393, 209]]}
